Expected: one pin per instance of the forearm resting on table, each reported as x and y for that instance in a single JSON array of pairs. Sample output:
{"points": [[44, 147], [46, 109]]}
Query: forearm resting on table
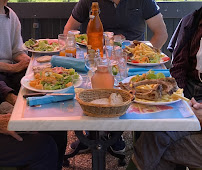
{"points": [[6, 67], [12, 68], [23, 58], [22, 63]]}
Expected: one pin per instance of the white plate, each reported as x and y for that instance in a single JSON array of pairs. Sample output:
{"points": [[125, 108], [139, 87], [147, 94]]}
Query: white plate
{"points": [[42, 52], [26, 79], [127, 80], [147, 64], [81, 44], [156, 103]]}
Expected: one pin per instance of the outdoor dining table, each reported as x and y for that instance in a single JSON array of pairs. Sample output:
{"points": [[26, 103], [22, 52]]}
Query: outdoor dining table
{"points": [[68, 115]]}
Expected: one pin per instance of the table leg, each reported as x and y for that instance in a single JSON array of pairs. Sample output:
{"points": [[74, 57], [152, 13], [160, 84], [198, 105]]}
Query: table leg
{"points": [[98, 146]]}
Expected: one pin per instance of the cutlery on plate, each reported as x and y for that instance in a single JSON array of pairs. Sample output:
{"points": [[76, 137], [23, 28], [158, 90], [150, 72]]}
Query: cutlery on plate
{"points": [[48, 94]]}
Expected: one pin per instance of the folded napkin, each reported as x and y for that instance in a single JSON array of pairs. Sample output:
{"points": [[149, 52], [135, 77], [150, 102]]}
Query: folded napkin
{"points": [[69, 62], [135, 71], [32, 101]]}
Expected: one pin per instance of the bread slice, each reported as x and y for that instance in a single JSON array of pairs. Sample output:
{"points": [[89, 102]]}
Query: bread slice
{"points": [[101, 101], [39, 68], [43, 59], [115, 99]]}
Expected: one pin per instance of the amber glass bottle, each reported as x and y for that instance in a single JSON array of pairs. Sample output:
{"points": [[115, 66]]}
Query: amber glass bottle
{"points": [[95, 29]]}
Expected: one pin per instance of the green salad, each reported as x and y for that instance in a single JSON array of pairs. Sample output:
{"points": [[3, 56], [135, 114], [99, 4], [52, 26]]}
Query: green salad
{"points": [[54, 78], [149, 75], [42, 45], [81, 38]]}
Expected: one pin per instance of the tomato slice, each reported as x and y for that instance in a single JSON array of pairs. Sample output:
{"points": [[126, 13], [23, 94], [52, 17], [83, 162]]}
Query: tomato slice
{"points": [[166, 58], [134, 61]]}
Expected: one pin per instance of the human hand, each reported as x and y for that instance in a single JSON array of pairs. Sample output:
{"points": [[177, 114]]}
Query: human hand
{"points": [[18, 67], [4, 118], [11, 98], [197, 109], [22, 62]]}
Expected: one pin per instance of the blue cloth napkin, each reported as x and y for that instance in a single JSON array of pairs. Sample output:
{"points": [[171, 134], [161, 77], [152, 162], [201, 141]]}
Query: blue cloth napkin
{"points": [[32, 101], [69, 62], [140, 71]]}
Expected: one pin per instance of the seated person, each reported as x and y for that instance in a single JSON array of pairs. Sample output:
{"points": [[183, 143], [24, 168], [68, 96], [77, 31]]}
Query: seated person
{"points": [[29, 151], [123, 17], [165, 150], [130, 23], [13, 60], [185, 45], [34, 151]]}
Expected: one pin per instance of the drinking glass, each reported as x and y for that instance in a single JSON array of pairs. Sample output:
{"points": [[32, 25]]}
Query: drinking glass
{"points": [[70, 50], [118, 39], [109, 42], [91, 62], [123, 73], [79, 52], [118, 62], [62, 43]]}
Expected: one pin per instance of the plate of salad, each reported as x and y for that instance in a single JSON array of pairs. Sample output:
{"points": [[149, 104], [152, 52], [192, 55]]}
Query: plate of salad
{"points": [[81, 39], [51, 80], [141, 54], [42, 45]]}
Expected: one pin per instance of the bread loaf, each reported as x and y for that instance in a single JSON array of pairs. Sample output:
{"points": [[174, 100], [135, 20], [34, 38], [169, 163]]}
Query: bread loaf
{"points": [[115, 99], [101, 101], [43, 59]]}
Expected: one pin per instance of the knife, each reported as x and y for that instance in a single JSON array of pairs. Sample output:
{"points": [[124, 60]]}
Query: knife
{"points": [[48, 94]]}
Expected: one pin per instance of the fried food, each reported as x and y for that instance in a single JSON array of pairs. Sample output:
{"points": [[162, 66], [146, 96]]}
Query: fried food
{"points": [[142, 53]]}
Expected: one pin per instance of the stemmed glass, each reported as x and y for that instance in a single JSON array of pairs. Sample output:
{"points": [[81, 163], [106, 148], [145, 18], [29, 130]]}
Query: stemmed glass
{"points": [[91, 63], [118, 63]]}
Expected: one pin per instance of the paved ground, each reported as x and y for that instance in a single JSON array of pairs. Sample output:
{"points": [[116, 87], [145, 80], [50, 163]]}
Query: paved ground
{"points": [[83, 161]]}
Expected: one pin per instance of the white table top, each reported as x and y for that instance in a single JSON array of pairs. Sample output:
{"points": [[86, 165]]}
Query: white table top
{"points": [[68, 115]]}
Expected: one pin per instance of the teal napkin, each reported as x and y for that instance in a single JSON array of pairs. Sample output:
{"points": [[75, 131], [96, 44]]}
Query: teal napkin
{"points": [[69, 62], [32, 101], [140, 71]]}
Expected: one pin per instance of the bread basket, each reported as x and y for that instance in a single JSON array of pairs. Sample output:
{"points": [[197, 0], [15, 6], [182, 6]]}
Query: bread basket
{"points": [[103, 110]]}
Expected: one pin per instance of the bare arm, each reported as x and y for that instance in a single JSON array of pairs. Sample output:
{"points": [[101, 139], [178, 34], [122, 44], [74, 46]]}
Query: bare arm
{"points": [[71, 24], [22, 63], [158, 27], [197, 109]]}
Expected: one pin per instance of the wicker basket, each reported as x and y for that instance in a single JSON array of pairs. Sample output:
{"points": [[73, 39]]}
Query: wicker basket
{"points": [[102, 110]]}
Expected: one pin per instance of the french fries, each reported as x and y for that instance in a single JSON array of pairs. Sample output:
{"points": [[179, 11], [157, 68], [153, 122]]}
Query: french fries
{"points": [[165, 98], [180, 97], [142, 53]]}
